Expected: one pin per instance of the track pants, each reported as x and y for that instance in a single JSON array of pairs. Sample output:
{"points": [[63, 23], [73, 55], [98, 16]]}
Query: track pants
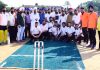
{"points": [[92, 33], [3, 34], [20, 33], [99, 38], [12, 33], [86, 34]]}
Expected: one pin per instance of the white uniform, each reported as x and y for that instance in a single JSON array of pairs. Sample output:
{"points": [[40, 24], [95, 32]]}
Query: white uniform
{"points": [[70, 30], [35, 30], [76, 19], [11, 19], [4, 21], [78, 31], [44, 27], [63, 31], [34, 18], [47, 16], [55, 31], [63, 19]]}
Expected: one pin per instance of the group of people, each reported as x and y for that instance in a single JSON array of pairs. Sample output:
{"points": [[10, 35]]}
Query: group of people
{"points": [[49, 23]]}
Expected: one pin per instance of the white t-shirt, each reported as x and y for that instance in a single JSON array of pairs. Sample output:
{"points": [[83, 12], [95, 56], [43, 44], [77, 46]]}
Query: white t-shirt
{"points": [[63, 19], [55, 31], [44, 27], [78, 31], [35, 30], [76, 19], [63, 31], [70, 30], [52, 14], [47, 16], [34, 17], [11, 19], [4, 20]]}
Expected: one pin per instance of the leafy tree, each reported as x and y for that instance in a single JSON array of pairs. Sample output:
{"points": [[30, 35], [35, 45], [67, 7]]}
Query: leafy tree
{"points": [[2, 5]]}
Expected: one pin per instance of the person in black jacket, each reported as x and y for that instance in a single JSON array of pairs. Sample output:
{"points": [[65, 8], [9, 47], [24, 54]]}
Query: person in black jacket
{"points": [[21, 25]]}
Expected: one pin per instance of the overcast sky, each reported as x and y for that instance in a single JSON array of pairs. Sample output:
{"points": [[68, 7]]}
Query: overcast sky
{"points": [[16, 3]]}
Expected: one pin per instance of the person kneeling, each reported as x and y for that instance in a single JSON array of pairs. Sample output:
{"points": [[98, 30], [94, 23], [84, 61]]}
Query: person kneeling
{"points": [[70, 32], [35, 31]]}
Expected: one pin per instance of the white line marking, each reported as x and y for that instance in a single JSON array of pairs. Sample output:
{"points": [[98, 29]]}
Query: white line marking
{"points": [[3, 64]]}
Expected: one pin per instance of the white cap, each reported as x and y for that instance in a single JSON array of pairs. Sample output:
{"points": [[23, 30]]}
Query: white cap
{"points": [[22, 9]]}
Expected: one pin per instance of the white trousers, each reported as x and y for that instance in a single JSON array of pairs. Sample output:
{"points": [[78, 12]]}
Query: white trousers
{"points": [[20, 33]]}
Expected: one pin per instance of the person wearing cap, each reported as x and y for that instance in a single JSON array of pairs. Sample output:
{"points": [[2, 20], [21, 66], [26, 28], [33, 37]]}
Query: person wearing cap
{"points": [[84, 24], [92, 25], [34, 16], [3, 26]]}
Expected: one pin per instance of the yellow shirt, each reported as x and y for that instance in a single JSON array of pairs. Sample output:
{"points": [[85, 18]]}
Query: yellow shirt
{"points": [[98, 24]]}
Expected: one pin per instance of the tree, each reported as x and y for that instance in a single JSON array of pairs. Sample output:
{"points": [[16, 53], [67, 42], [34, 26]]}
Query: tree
{"points": [[2, 5]]}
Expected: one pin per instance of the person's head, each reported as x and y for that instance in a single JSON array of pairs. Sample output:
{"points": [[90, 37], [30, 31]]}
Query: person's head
{"points": [[70, 10], [91, 8], [82, 10], [36, 24], [34, 11], [50, 19], [63, 13], [12, 10], [75, 12], [76, 26], [44, 22], [69, 24], [28, 13], [63, 24], [4, 9]]}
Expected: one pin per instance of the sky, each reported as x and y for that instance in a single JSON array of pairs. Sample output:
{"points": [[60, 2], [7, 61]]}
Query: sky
{"points": [[17, 3]]}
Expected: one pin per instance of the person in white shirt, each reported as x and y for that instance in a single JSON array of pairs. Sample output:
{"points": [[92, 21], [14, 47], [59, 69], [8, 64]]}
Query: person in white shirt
{"points": [[76, 18], [44, 30], [34, 16], [55, 32], [12, 28], [35, 31], [3, 26], [63, 32], [70, 32], [78, 34], [63, 18], [47, 15]]}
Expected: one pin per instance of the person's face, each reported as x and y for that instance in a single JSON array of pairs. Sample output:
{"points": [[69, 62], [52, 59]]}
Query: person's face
{"points": [[63, 25], [82, 10], [34, 11], [75, 12], [76, 26], [4, 10], [69, 24], [12, 11], [36, 24], [44, 22], [91, 9]]}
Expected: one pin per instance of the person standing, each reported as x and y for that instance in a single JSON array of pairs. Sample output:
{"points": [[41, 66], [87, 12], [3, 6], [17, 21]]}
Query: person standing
{"points": [[12, 28], [98, 28], [84, 24], [21, 26], [3, 27], [27, 25], [92, 25]]}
